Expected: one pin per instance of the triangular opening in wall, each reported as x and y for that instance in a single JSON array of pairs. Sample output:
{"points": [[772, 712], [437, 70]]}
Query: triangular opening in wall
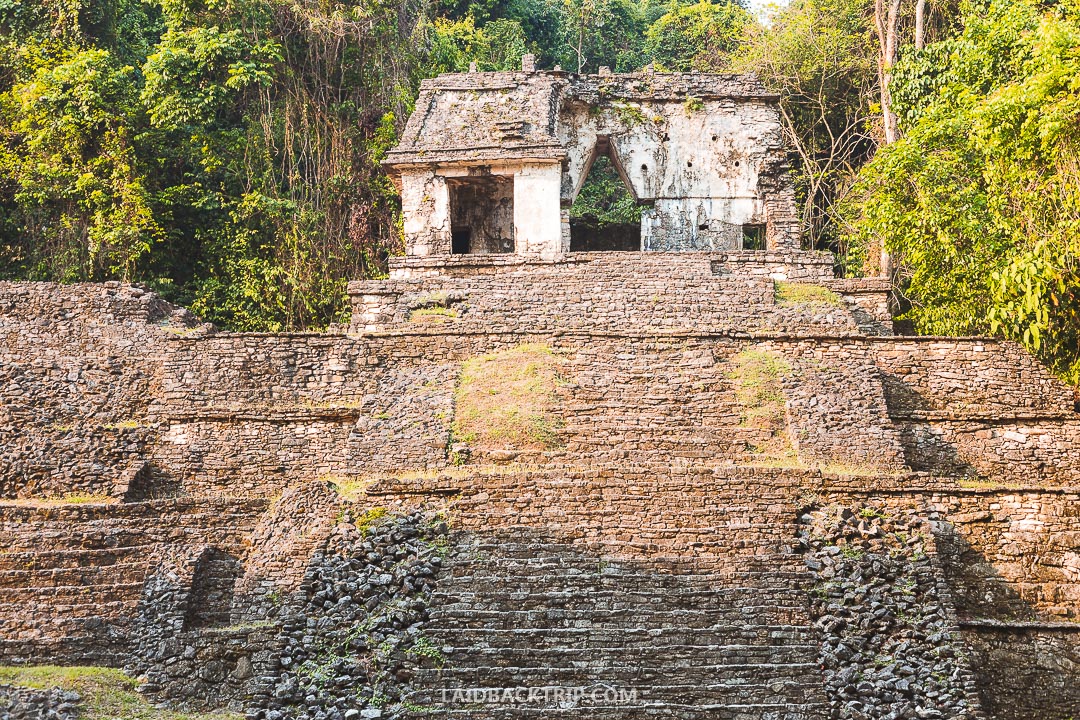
{"points": [[605, 215]]}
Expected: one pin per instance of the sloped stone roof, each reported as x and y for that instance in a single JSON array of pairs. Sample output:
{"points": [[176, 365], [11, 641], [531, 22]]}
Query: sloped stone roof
{"points": [[485, 117]]}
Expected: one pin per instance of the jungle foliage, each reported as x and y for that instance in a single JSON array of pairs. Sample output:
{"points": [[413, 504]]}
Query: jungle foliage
{"points": [[226, 152], [979, 201]]}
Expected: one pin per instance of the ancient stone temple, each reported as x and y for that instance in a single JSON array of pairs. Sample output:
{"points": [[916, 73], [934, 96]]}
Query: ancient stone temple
{"points": [[531, 482], [491, 162]]}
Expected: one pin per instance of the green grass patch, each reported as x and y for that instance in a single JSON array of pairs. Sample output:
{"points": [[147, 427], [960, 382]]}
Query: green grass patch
{"points": [[757, 376], [436, 315], [797, 293], [123, 425], [506, 400], [66, 499], [370, 518], [107, 693]]}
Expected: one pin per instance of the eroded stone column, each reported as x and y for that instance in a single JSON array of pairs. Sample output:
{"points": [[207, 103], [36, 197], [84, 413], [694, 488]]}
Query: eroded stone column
{"points": [[425, 210], [537, 212]]}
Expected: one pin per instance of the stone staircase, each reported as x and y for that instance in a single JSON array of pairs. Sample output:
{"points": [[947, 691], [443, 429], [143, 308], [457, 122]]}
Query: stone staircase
{"points": [[602, 292], [87, 564], [569, 633]]}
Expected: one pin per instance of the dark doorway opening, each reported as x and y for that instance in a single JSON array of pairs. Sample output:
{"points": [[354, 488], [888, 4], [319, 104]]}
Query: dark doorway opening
{"points": [[213, 579], [753, 237], [481, 214], [605, 216], [459, 241]]}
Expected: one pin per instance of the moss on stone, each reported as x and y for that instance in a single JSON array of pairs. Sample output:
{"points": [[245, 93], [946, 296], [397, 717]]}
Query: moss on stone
{"points": [[797, 293], [433, 315], [506, 400], [107, 693], [757, 375]]}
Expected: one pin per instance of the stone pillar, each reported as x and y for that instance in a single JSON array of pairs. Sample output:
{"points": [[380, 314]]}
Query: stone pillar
{"points": [[538, 211], [425, 210]]}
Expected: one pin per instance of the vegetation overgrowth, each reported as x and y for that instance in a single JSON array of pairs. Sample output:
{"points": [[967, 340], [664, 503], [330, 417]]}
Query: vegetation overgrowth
{"points": [[105, 693], [226, 152]]}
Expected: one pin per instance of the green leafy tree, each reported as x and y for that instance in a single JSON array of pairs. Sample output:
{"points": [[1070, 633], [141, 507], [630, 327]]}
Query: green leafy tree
{"points": [[78, 201], [979, 201], [602, 33], [604, 198], [821, 57], [698, 37], [454, 44]]}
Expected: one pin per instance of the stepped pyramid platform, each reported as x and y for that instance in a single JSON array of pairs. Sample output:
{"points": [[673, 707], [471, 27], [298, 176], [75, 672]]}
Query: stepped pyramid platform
{"points": [[536, 476], [640, 560]]}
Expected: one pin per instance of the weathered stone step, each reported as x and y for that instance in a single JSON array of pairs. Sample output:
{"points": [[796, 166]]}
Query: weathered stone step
{"points": [[77, 576], [74, 649], [779, 560], [487, 569], [75, 620], [55, 596], [80, 558], [804, 687], [621, 636], [612, 577], [466, 618], [796, 670], [600, 660], [619, 599], [753, 711]]}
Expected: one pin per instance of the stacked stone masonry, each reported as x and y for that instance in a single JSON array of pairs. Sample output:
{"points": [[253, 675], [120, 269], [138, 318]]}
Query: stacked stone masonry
{"points": [[199, 506]]}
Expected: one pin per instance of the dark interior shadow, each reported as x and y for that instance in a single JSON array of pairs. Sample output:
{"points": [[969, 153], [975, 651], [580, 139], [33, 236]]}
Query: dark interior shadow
{"points": [[212, 583]]}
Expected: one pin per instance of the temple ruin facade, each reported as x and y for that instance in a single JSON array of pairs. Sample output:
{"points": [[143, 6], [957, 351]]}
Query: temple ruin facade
{"points": [[491, 162]]}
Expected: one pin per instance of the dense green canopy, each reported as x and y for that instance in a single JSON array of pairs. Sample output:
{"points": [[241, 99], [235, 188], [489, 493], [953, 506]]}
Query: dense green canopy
{"points": [[979, 202]]}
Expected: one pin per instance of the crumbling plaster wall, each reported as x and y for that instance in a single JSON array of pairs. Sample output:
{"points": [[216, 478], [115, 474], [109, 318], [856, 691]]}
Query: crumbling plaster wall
{"points": [[425, 212], [698, 163]]}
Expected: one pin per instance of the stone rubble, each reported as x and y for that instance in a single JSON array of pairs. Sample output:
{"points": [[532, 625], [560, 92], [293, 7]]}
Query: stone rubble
{"points": [[346, 652], [889, 648], [19, 703]]}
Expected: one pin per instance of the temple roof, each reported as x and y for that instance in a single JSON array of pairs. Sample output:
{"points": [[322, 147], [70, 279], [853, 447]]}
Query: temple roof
{"points": [[480, 118]]}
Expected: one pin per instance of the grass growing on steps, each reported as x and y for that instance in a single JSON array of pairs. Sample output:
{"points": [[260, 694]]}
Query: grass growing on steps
{"points": [[107, 693], [506, 400], [757, 375], [67, 499], [433, 315], [796, 293]]}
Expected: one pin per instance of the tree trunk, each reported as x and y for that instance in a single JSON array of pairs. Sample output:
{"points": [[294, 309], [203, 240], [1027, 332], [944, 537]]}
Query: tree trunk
{"points": [[886, 21], [920, 24]]}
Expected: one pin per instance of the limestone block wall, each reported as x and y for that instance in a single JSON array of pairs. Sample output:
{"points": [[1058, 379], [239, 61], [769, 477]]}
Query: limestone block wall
{"points": [[78, 368], [967, 377], [71, 575], [1028, 673], [254, 413], [257, 413], [281, 548], [980, 407], [612, 292], [836, 409], [1013, 554], [1011, 561], [654, 459]]}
